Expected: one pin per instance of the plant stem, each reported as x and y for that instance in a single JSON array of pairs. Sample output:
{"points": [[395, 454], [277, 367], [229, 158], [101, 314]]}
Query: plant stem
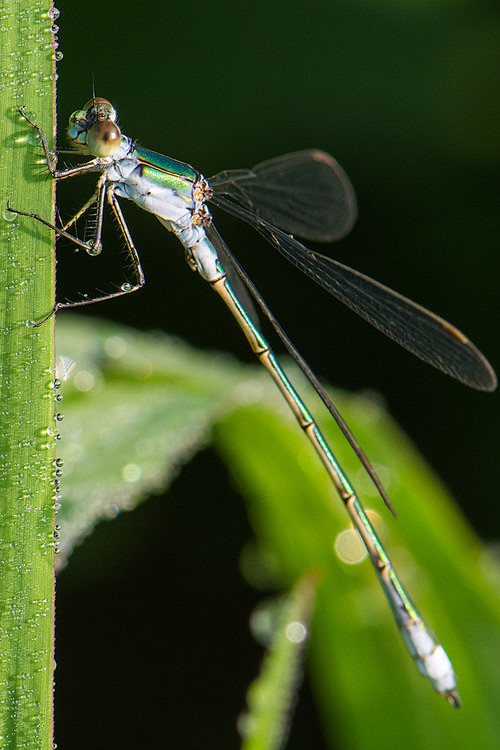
{"points": [[27, 434]]}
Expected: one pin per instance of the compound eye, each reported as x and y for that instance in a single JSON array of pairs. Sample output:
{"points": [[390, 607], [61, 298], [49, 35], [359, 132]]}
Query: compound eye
{"points": [[104, 138], [100, 109], [77, 130], [77, 116]]}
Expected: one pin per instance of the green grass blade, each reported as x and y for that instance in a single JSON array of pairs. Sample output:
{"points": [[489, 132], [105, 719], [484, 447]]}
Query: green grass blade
{"points": [[27, 77]]}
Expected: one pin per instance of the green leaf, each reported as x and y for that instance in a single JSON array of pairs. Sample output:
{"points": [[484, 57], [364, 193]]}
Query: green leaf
{"points": [[27, 437], [284, 625], [368, 689], [138, 406]]}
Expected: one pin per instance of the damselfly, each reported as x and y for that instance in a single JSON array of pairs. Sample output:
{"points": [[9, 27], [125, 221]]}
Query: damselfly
{"points": [[305, 193]]}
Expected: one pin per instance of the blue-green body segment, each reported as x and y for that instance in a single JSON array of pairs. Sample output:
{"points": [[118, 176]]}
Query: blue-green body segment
{"points": [[167, 172]]}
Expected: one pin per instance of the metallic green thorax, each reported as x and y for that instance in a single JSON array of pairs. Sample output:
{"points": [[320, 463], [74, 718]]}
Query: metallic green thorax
{"points": [[166, 171]]}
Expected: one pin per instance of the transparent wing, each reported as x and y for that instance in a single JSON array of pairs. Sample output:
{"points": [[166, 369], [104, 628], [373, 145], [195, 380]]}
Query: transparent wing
{"points": [[423, 333], [305, 193]]}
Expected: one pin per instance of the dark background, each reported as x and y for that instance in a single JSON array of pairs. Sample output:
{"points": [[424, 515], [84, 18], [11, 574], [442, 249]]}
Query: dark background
{"points": [[405, 96]]}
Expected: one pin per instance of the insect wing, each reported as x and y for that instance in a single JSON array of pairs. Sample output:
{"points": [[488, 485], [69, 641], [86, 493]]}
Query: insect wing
{"points": [[305, 193]]}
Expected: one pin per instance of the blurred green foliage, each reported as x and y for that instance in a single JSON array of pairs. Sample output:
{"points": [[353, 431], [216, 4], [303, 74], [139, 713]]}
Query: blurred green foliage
{"points": [[138, 407]]}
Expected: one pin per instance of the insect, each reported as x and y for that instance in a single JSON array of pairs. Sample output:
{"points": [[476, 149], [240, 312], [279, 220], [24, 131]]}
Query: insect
{"points": [[307, 194]]}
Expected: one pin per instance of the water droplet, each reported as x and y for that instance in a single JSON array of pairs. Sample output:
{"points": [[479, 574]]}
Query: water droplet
{"points": [[84, 380], [115, 346], [349, 547], [296, 632], [54, 13], [33, 138], [126, 287], [58, 56], [131, 473], [93, 250], [27, 114], [9, 215]]}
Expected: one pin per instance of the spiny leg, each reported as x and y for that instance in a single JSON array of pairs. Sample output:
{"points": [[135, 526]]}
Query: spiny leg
{"points": [[131, 248], [91, 202], [93, 247], [51, 159]]}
